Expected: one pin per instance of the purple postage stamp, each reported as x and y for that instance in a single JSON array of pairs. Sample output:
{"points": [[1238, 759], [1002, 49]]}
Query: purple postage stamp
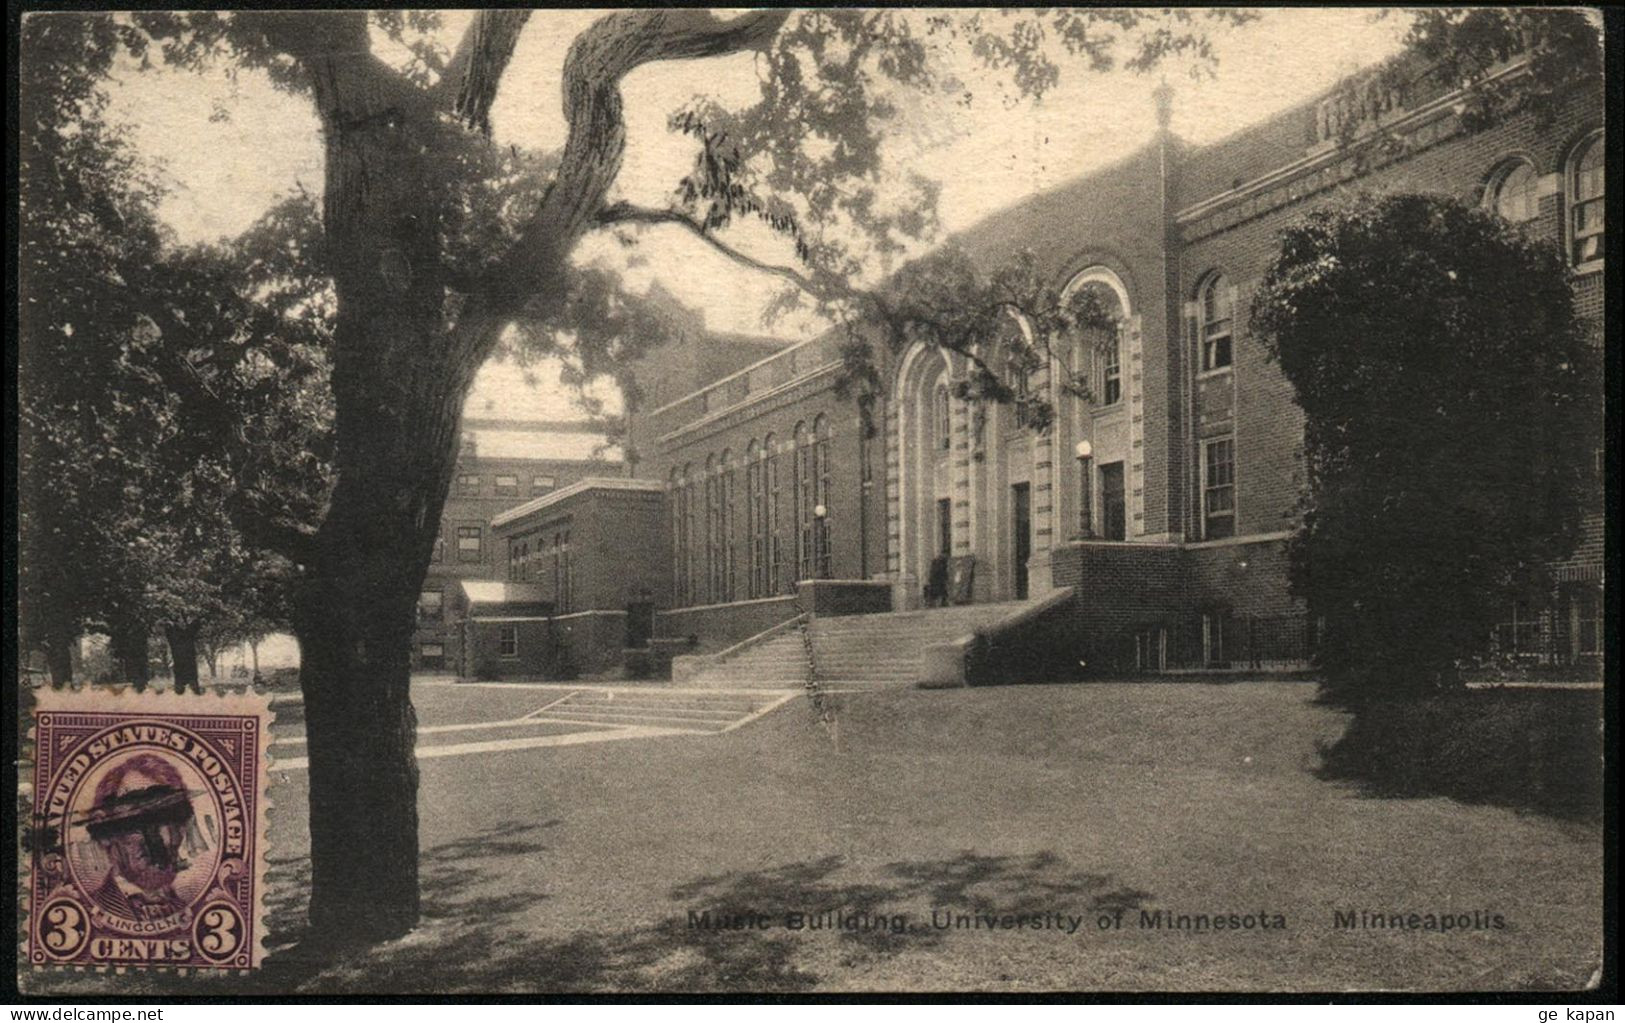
{"points": [[148, 830]]}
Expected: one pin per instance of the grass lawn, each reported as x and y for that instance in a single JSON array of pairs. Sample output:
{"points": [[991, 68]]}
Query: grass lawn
{"points": [[575, 868]]}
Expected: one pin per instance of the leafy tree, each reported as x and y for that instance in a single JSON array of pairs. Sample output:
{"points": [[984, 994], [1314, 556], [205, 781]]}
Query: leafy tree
{"points": [[1449, 395], [439, 244], [166, 394]]}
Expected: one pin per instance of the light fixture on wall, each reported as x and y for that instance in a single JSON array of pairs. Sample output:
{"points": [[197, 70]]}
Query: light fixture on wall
{"points": [[1086, 524]]}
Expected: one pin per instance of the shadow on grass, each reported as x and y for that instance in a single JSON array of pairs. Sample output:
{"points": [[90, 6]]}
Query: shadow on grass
{"points": [[1530, 750], [477, 944]]}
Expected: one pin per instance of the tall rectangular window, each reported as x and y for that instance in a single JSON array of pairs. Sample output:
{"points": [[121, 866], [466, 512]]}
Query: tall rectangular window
{"points": [[1586, 202], [1111, 373], [439, 553], [1218, 307], [507, 485], [1219, 488], [508, 641], [468, 543], [775, 548]]}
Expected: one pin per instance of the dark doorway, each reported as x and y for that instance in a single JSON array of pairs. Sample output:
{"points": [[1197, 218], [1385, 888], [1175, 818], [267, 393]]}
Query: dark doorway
{"points": [[1022, 521], [945, 527], [1113, 524]]}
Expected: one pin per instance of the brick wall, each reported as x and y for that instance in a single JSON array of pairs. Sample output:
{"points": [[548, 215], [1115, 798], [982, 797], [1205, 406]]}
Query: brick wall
{"points": [[617, 540], [1117, 586], [855, 514], [719, 626], [1241, 239], [475, 510]]}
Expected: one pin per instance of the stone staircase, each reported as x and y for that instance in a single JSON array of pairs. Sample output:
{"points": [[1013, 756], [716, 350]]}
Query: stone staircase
{"points": [[872, 649], [690, 710]]}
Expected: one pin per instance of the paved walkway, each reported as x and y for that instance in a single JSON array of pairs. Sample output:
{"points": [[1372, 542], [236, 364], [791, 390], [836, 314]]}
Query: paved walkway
{"points": [[498, 717]]}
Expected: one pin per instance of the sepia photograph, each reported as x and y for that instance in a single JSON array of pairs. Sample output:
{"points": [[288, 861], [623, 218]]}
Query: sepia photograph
{"points": [[823, 502]]}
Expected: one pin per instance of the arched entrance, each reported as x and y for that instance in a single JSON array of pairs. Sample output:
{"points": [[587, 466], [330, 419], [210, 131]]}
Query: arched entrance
{"points": [[929, 519]]}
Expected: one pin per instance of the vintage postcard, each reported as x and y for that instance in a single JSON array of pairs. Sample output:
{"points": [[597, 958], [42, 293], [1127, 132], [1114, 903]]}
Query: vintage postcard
{"points": [[815, 501]]}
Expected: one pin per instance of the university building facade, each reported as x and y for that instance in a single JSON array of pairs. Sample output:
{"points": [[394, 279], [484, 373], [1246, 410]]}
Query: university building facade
{"points": [[1152, 513]]}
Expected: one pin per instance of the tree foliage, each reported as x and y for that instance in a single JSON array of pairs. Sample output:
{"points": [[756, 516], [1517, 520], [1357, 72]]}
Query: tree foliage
{"points": [[168, 395], [1007, 324], [1449, 395]]}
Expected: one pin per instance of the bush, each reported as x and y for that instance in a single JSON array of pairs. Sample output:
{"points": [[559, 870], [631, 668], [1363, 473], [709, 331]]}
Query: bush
{"points": [[1534, 750]]}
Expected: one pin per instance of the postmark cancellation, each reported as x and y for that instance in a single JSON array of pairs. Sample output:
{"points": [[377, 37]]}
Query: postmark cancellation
{"points": [[148, 831]]}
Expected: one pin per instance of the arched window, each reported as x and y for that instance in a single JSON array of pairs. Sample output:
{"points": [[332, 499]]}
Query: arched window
{"points": [[803, 488], [942, 416], [713, 533], [1100, 335], [691, 582], [821, 496], [773, 548], [730, 518], [1014, 346], [1512, 192], [754, 520], [1585, 187], [1218, 312]]}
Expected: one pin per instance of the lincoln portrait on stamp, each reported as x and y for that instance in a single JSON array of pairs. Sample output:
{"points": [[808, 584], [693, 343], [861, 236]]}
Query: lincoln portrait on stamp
{"points": [[140, 816]]}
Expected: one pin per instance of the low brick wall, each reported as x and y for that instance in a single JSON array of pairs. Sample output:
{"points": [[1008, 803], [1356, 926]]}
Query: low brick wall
{"points": [[832, 597], [719, 626], [590, 641], [1248, 577], [1117, 586]]}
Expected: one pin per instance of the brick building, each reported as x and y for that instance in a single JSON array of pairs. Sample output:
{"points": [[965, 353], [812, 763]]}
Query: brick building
{"points": [[1159, 506], [483, 487]]}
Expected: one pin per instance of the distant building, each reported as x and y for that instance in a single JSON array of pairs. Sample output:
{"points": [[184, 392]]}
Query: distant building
{"points": [[481, 488]]}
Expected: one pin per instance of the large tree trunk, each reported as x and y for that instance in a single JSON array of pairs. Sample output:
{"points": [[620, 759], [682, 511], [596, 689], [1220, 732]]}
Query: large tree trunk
{"points": [[403, 358], [127, 643], [182, 641], [355, 620]]}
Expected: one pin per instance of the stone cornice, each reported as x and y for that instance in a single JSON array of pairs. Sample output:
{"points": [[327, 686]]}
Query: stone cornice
{"points": [[787, 393]]}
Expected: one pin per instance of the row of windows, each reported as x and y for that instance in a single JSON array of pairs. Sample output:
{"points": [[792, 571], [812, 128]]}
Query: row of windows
{"points": [[705, 546], [1514, 193], [532, 558], [503, 484]]}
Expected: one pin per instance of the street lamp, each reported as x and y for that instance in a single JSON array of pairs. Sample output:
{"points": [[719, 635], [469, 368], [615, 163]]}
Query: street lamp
{"points": [[1086, 525]]}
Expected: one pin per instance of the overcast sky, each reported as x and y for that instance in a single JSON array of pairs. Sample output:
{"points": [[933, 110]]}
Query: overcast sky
{"points": [[225, 170]]}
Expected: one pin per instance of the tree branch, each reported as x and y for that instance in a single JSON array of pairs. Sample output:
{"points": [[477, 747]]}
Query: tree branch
{"points": [[598, 59], [468, 87], [626, 213]]}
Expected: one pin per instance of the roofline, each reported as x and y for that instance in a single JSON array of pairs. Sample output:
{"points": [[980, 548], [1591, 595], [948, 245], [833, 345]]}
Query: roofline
{"points": [[759, 363], [1330, 154], [579, 487]]}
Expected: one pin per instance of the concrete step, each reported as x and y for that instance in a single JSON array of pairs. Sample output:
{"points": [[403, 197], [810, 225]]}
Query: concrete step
{"points": [[681, 713], [604, 717]]}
